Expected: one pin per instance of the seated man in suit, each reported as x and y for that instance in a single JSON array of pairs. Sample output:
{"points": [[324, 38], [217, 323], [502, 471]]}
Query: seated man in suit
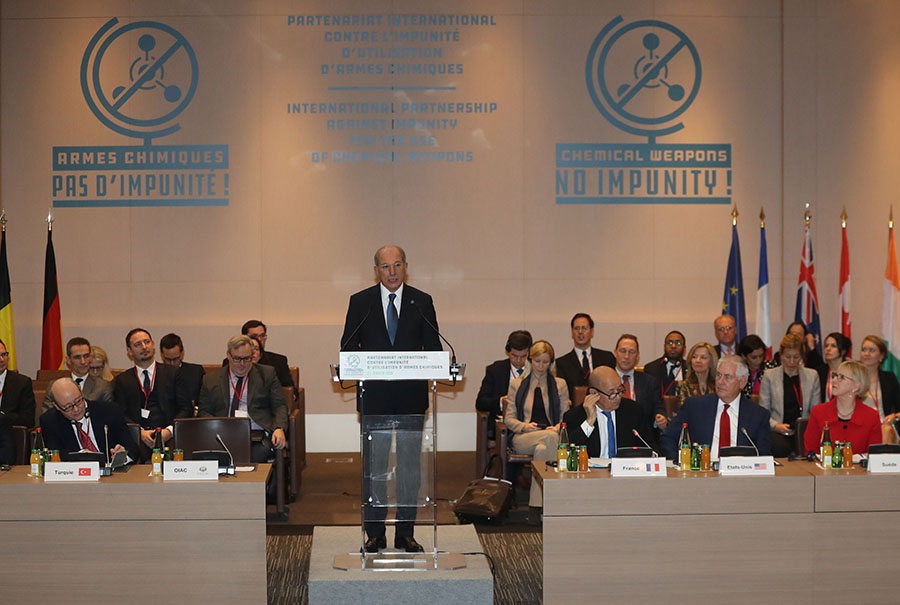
{"points": [[606, 401], [16, 393], [7, 444], [669, 368], [719, 419], [245, 389], [639, 386], [726, 335], [75, 424], [256, 328], [576, 366], [171, 351], [498, 375], [78, 360], [150, 394]]}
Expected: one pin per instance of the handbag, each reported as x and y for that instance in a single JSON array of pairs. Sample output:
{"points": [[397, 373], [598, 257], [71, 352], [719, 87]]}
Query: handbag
{"points": [[488, 499]]}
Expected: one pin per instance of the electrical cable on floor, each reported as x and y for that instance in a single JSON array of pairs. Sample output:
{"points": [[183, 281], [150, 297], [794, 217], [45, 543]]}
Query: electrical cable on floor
{"points": [[486, 556]]}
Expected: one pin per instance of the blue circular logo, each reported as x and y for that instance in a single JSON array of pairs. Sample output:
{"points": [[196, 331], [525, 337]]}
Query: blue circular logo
{"points": [[643, 76], [137, 84]]}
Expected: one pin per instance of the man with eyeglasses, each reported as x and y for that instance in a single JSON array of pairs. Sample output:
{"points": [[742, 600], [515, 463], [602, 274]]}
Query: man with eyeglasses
{"points": [[607, 419], [78, 360], [150, 394], [720, 419], [669, 368], [256, 328], [75, 424], [576, 366], [726, 334], [245, 389], [16, 393]]}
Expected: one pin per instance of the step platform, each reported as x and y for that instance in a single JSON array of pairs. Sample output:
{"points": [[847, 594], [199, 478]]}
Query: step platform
{"points": [[470, 584]]}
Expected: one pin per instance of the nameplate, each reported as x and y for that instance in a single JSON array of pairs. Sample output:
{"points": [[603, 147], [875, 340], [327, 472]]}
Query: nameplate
{"points": [[637, 467], [72, 471], [400, 365], [733, 466], [191, 470], [884, 463]]}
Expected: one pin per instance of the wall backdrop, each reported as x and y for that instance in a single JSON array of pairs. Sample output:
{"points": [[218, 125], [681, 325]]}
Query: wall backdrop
{"points": [[211, 162]]}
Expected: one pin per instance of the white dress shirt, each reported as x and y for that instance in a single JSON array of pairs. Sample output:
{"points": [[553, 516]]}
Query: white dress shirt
{"points": [[603, 427], [385, 299], [733, 412]]}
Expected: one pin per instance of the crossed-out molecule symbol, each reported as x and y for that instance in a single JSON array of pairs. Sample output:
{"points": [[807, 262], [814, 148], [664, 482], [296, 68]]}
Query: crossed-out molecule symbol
{"points": [[147, 43], [648, 63]]}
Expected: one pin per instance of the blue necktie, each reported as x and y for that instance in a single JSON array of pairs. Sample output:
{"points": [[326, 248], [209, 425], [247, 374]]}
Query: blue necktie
{"points": [[392, 318], [611, 432]]}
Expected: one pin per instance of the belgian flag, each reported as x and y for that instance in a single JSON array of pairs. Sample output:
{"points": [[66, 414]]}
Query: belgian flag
{"points": [[6, 314], [51, 333]]}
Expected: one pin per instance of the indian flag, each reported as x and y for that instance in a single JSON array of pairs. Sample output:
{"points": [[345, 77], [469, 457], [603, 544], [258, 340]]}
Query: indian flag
{"points": [[890, 306]]}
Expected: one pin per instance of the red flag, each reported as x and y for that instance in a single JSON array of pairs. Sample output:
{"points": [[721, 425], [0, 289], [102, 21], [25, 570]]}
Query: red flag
{"points": [[844, 287], [51, 333]]}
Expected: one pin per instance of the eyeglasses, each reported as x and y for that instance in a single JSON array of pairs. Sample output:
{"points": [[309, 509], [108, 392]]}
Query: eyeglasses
{"points": [[725, 329], [725, 376], [237, 359], [614, 395], [674, 343], [95, 368], [839, 377], [581, 329], [71, 406], [4, 355]]}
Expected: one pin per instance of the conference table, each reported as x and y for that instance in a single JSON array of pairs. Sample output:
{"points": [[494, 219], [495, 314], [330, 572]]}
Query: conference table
{"points": [[133, 538], [804, 535]]}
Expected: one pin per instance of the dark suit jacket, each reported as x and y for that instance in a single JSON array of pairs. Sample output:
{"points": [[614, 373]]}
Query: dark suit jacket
{"points": [[718, 349], [365, 329], [58, 433], [699, 413], [169, 393], [265, 399], [7, 445], [890, 392], [568, 367], [494, 385], [193, 379], [647, 394], [629, 417], [93, 389], [657, 369], [280, 363], [18, 399]]}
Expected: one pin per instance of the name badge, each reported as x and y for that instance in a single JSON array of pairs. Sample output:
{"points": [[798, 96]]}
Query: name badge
{"points": [[145, 413], [72, 471], [733, 466], [190, 470], [241, 414], [637, 467], [884, 463]]}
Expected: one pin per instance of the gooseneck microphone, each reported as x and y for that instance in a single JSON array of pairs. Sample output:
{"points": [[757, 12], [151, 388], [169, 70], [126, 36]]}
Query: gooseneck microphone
{"points": [[106, 435], [638, 435], [412, 303], [747, 435], [229, 470], [356, 329]]}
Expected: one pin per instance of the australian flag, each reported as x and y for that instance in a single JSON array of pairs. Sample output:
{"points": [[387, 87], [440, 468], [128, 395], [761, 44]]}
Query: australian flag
{"points": [[807, 309], [733, 299]]}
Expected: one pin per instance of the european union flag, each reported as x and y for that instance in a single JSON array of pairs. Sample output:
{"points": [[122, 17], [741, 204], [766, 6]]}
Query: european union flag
{"points": [[733, 299]]}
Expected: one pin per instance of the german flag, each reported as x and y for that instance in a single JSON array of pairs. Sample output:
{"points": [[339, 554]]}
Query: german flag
{"points": [[51, 333], [6, 315]]}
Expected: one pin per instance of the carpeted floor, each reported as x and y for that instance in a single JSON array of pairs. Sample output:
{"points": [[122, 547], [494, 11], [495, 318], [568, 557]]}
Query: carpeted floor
{"points": [[517, 559]]}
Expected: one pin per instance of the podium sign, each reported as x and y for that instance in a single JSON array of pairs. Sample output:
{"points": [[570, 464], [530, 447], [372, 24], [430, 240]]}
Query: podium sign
{"points": [[399, 365]]}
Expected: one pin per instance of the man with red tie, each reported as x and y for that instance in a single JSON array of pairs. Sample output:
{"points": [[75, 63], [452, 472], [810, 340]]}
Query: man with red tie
{"points": [[639, 386], [74, 424], [576, 366], [244, 389], [720, 419]]}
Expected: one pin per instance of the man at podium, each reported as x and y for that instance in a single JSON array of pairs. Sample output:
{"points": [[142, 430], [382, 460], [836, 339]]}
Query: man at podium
{"points": [[392, 316]]}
